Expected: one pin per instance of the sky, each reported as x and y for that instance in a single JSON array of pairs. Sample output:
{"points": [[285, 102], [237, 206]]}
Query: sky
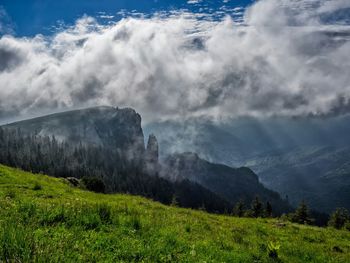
{"points": [[176, 60], [30, 17]]}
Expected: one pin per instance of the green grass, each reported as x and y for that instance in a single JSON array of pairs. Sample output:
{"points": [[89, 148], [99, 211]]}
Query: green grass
{"points": [[44, 219]]}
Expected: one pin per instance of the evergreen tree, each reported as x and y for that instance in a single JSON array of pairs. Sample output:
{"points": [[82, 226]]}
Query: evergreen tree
{"points": [[339, 218], [301, 214], [268, 209], [174, 201], [257, 207], [239, 209]]}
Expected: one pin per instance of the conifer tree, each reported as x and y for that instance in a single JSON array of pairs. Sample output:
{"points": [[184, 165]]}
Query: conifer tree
{"points": [[174, 201], [239, 209], [302, 215], [268, 209], [257, 207], [339, 218]]}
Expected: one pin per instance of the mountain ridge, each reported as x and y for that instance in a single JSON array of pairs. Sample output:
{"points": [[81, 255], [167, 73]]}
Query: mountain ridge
{"points": [[234, 184], [119, 131], [302, 158]]}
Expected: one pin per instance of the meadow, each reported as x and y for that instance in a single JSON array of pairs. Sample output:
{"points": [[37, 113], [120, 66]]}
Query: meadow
{"points": [[45, 219]]}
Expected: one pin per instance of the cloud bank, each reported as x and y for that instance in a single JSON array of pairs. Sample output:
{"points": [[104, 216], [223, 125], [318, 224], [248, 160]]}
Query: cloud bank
{"points": [[285, 58]]}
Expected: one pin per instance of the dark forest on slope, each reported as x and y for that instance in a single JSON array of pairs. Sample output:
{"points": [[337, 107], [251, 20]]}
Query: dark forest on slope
{"points": [[117, 172], [108, 143]]}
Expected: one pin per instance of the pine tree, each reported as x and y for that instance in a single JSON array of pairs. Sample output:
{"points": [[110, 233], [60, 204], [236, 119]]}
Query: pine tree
{"points": [[268, 209], [257, 207], [239, 209], [302, 215], [339, 218], [174, 201]]}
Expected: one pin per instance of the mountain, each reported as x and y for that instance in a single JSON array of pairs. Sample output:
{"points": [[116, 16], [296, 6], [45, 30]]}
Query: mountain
{"points": [[302, 158], [118, 128], [233, 184], [108, 143], [102, 145], [320, 175]]}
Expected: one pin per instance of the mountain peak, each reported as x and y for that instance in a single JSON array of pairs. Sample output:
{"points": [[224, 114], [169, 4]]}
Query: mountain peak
{"points": [[107, 126]]}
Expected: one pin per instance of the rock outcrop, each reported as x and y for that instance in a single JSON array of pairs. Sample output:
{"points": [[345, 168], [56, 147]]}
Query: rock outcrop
{"points": [[117, 128], [151, 156], [152, 149]]}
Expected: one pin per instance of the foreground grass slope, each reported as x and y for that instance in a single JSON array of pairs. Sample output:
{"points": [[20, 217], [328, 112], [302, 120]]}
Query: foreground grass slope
{"points": [[44, 219]]}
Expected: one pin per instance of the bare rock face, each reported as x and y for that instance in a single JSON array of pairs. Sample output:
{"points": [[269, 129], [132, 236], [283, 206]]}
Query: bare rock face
{"points": [[151, 157]]}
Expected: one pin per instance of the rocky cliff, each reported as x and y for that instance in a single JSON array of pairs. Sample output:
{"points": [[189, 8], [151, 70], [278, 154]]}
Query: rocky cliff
{"points": [[119, 132], [152, 155], [118, 128]]}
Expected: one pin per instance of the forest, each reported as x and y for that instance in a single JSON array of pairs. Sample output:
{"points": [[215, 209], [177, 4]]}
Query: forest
{"points": [[102, 169]]}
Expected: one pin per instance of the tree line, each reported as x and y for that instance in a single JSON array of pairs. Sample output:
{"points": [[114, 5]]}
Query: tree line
{"points": [[101, 169], [107, 170], [339, 219]]}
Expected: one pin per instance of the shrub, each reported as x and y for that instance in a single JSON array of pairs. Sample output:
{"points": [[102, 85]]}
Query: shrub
{"points": [[94, 184]]}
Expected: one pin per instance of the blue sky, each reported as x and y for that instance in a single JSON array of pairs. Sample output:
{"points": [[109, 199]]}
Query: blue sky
{"points": [[28, 18]]}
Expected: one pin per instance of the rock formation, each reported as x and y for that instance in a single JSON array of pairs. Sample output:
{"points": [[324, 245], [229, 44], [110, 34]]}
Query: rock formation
{"points": [[151, 157]]}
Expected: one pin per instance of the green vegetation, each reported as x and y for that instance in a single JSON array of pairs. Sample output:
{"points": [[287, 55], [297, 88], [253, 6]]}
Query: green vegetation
{"points": [[340, 218], [301, 214], [45, 219], [107, 169]]}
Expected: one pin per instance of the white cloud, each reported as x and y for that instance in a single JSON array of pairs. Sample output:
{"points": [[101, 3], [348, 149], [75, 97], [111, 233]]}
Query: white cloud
{"points": [[6, 25], [283, 60], [191, 2], [333, 5]]}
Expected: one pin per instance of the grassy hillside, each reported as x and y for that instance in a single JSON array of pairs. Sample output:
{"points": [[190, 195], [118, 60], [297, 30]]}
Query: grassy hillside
{"points": [[44, 219]]}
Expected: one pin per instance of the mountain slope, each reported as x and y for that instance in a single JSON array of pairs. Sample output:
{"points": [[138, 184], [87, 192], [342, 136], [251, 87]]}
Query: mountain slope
{"points": [[320, 175], [101, 126], [304, 158], [108, 143], [240, 184], [45, 219], [110, 170]]}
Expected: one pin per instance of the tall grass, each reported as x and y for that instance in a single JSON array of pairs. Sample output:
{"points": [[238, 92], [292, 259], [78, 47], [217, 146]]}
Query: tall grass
{"points": [[16, 243]]}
